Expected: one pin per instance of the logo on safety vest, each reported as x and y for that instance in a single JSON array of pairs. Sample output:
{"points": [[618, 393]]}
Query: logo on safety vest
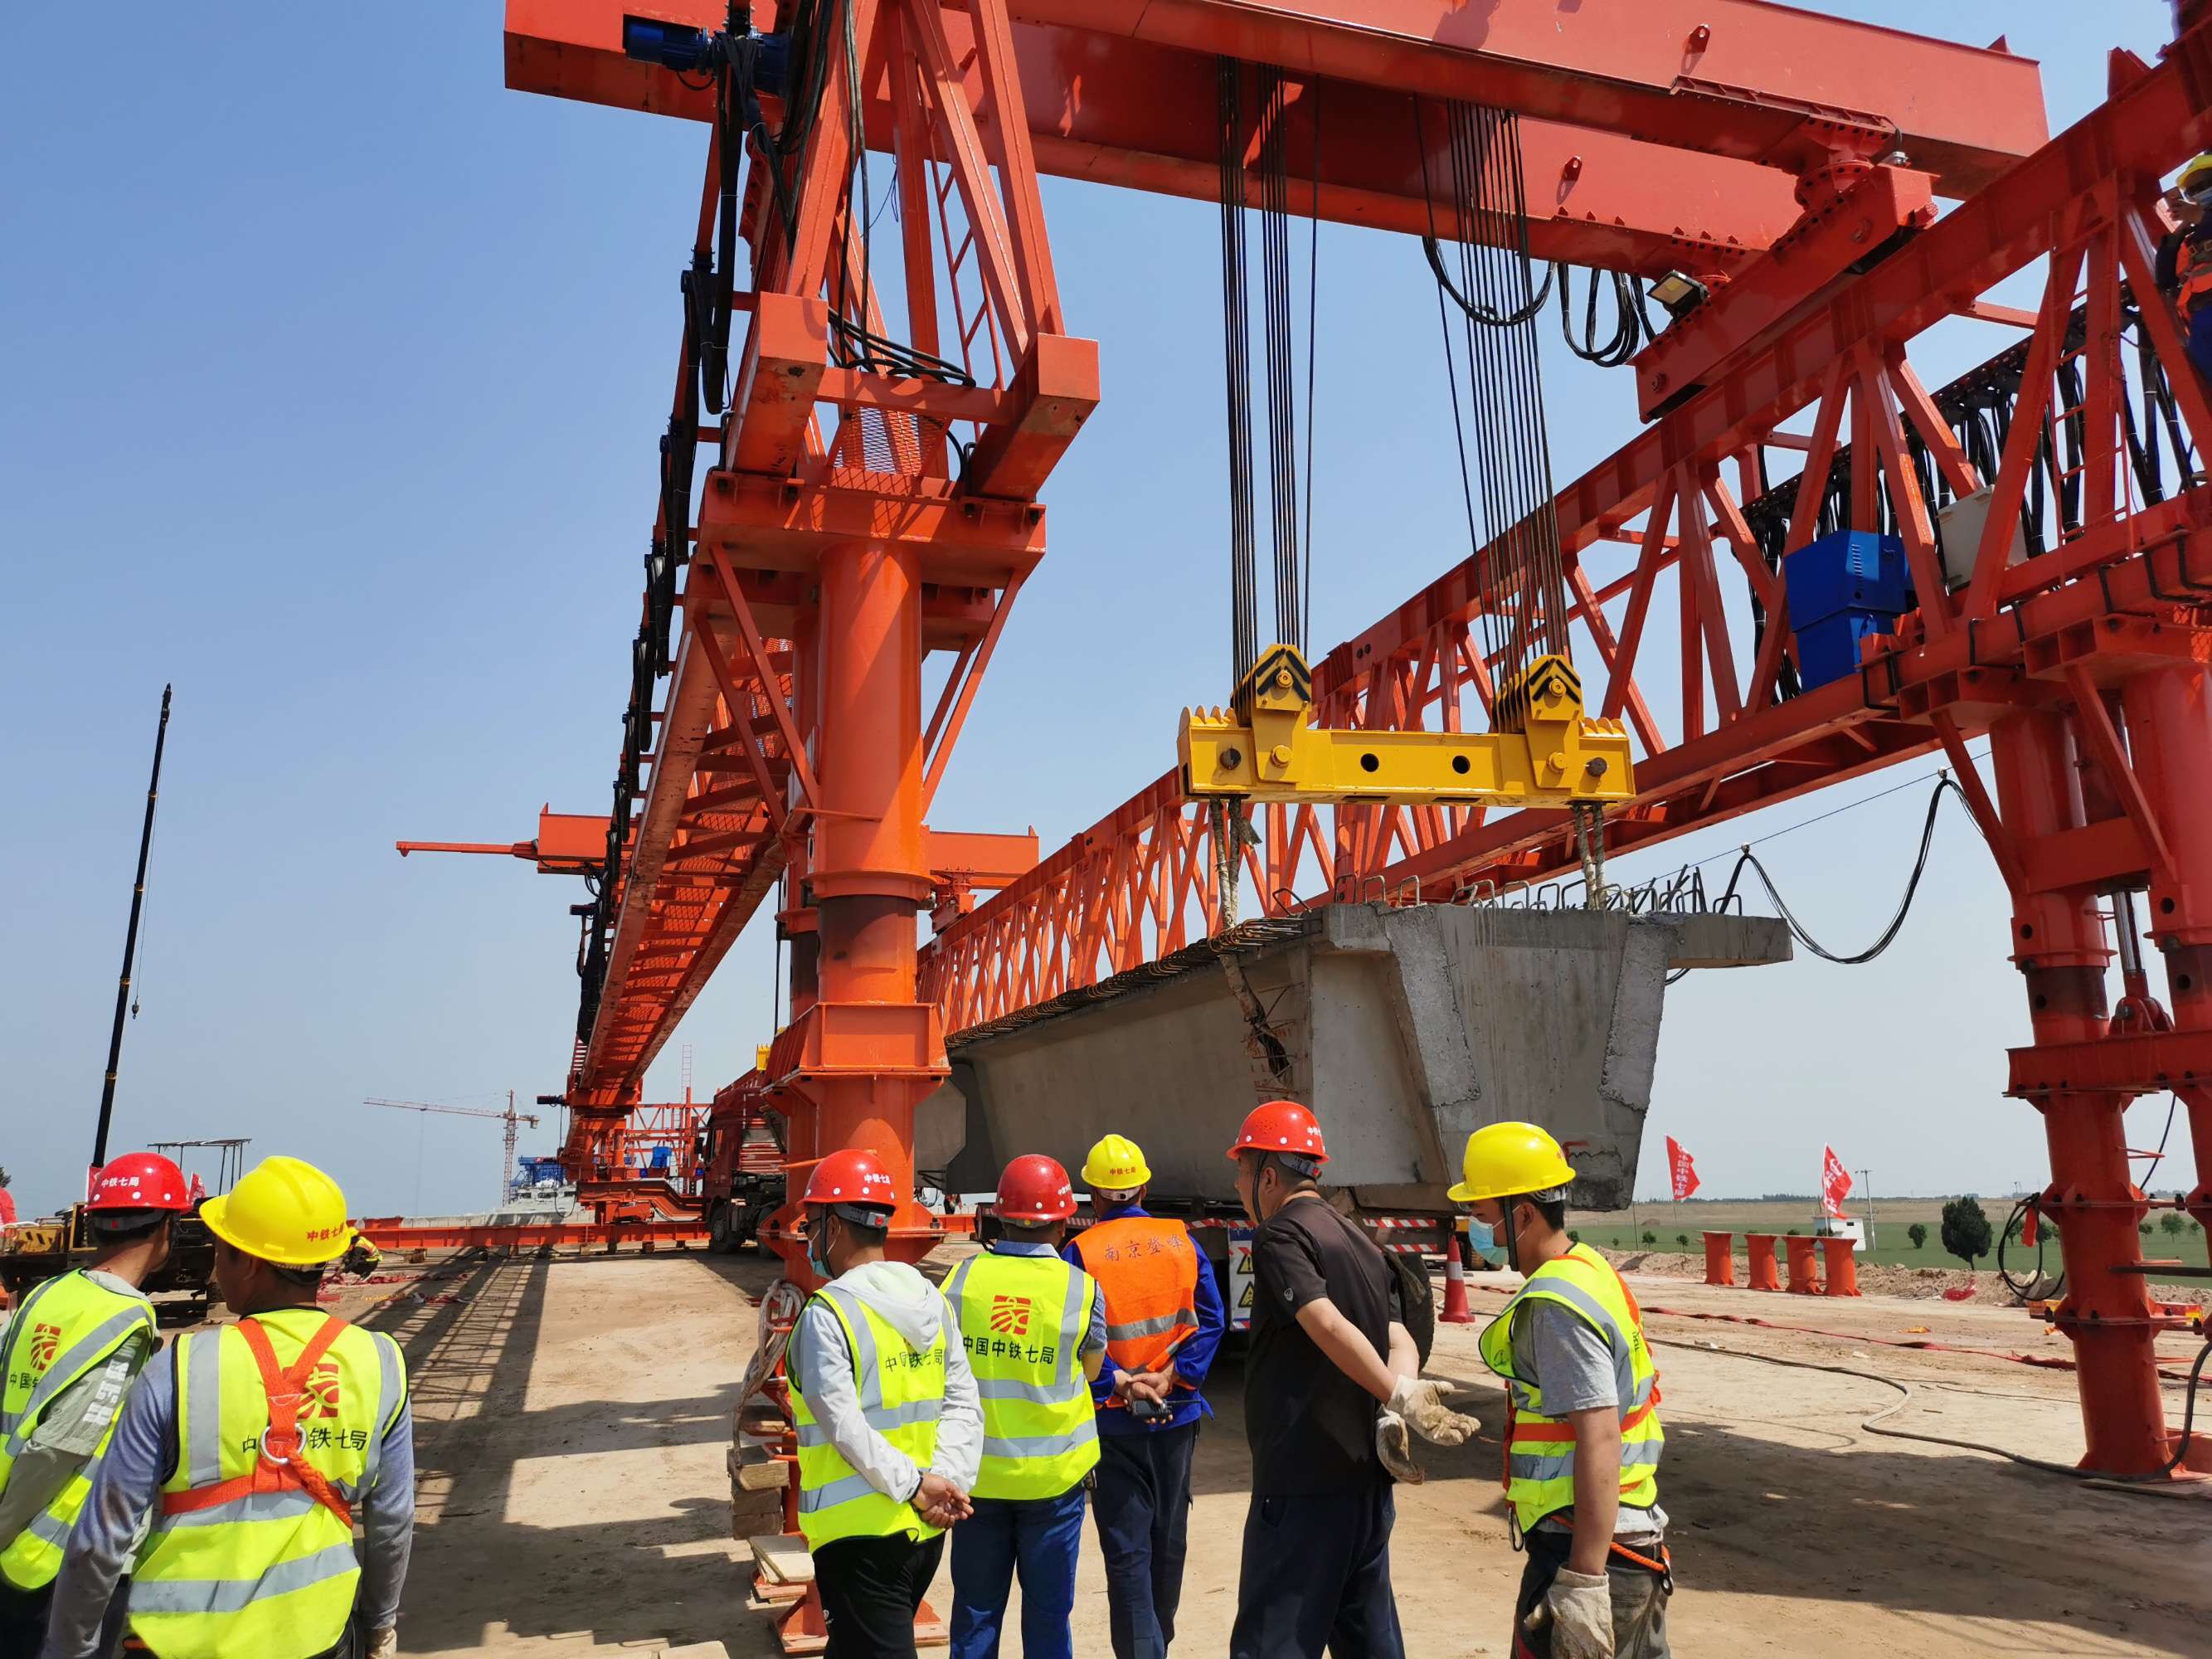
{"points": [[1010, 1314], [320, 1397], [45, 1343]]}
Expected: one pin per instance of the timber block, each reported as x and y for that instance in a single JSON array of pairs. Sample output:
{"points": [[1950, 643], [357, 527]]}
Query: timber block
{"points": [[754, 1469], [754, 1511]]}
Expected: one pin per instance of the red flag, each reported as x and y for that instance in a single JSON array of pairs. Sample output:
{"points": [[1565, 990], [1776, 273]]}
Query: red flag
{"points": [[1680, 1171], [7, 1208], [1835, 1181], [195, 1193]]}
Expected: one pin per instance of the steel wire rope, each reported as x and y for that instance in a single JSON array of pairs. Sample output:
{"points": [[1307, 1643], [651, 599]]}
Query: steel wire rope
{"points": [[1237, 344], [1281, 367], [1313, 293], [1480, 552]]}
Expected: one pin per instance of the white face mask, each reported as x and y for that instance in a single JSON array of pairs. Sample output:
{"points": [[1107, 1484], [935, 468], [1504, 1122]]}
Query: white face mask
{"points": [[817, 1247]]}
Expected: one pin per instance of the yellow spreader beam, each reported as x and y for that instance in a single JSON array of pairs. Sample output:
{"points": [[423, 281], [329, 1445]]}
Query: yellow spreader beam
{"points": [[1546, 752]]}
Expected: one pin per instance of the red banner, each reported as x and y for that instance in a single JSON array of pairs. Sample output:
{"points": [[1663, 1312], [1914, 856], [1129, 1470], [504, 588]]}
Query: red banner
{"points": [[1680, 1171], [1835, 1181]]}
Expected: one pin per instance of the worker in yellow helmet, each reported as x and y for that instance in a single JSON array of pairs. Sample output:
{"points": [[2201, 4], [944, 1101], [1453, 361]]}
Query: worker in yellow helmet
{"points": [[2184, 267], [1164, 1319], [249, 1457], [1582, 1437]]}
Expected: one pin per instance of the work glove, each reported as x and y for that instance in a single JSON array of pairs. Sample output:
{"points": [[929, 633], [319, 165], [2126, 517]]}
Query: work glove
{"points": [[1396, 1447], [1580, 1605], [384, 1643], [1421, 1403]]}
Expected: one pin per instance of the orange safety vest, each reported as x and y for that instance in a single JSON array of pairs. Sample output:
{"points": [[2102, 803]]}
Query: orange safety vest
{"points": [[1147, 1268], [2193, 273]]}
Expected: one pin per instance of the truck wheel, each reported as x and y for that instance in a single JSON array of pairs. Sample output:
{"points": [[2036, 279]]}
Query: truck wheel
{"points": [[745, 1228], [721, 1237], [1418, 1299]]}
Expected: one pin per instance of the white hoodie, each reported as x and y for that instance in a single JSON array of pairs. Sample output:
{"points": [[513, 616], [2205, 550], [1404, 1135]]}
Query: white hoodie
{"points": [[916, 1309]]}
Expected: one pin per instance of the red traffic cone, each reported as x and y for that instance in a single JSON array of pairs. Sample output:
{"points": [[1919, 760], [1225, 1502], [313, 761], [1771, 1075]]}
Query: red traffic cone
{"points": [[1455, 1309]]}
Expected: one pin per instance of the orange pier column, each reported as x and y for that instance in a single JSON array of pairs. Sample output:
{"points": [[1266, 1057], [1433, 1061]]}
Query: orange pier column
{"points": [[1765, 1275], [1719, 1261]]}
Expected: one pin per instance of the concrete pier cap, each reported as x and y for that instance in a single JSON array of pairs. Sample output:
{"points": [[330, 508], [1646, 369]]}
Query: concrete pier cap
{"points": [[1403, 1028]]}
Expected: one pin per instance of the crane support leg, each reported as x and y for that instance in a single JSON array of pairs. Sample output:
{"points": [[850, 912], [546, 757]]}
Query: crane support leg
{"points": [[866, 1051], [2060, 774]]}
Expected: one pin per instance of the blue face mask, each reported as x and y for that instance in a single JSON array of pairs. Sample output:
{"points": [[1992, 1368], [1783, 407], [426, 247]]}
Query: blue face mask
{"points": [[1481, 1234]]}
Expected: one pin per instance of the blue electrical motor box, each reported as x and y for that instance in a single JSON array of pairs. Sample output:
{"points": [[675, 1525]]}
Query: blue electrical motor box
{"points": [[1841, 589]]}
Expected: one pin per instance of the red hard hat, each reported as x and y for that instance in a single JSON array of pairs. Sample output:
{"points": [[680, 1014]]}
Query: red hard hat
{"points": [[854, 1175], [140, 1180], [1035, 1189], [1280, 1126]]}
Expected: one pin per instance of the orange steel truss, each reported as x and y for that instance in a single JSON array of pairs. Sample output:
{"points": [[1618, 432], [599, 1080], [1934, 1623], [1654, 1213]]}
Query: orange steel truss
{"points": [[825, 562]]}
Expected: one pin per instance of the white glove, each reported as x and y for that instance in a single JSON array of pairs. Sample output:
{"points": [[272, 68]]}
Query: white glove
{"points": [[1582, 1615], [1421, 1403], [384, 1644], [1396, 1448]]}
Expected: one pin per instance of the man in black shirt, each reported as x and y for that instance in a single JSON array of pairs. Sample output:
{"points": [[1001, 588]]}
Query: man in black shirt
{"points": [[1331, 1371]]}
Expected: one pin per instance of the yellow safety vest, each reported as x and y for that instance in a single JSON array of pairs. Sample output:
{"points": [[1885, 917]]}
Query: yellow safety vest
{"points": [[1540, 1449], [252, 1552], [901, 1391], [67, 1328], [1022, 1319]]}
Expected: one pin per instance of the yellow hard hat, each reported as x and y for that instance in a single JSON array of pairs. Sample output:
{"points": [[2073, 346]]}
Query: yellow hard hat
{"points": [[1117, 1164], [283, 1211], [1504, 1160], [2196, 174]]}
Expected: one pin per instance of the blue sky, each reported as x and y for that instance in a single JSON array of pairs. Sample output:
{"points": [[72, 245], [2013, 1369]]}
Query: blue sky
{"points": [[332, 380]]}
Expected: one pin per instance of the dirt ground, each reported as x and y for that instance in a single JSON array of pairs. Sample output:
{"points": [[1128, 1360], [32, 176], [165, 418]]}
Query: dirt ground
{"points": [[571, 1418]]}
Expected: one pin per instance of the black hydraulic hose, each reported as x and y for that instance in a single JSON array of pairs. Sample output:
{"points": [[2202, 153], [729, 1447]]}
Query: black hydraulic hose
{"points": [[1904, 1390], [1943, 785], [1482, 313]]}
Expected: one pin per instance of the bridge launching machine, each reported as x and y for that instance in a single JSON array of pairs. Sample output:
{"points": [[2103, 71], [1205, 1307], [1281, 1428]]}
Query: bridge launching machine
{"points": [[851, 485]]}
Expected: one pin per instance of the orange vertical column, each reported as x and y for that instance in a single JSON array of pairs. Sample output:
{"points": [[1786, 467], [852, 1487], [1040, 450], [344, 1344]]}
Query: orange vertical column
{"points": [[1762, 1272], [870, 1050], [2059, 946], [1720, 1263], [2169, 715]]}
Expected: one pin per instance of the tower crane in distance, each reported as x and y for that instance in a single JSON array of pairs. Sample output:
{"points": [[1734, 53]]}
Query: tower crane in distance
{"points": [[509, 1116]]}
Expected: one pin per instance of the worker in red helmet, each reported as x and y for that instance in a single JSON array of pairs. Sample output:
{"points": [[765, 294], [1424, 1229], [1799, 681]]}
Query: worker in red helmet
{"points": [[1332, 1379], [67, 1361], [890, 1430], [1035, 1329]]}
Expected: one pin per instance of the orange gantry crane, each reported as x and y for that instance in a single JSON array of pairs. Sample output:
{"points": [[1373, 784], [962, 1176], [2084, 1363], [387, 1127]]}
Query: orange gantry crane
{"points": [[851, 470]]}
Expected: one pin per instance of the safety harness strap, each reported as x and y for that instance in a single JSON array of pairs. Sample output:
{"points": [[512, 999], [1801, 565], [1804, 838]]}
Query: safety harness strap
{"points": [[280, 1466]]}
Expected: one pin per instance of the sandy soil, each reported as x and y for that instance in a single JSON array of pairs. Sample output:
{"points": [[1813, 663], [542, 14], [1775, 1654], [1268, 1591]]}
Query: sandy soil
{"points": [[571, 1418]]}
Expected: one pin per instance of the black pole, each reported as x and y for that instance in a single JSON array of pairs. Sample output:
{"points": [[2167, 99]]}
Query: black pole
{"points": [[130, 940]]}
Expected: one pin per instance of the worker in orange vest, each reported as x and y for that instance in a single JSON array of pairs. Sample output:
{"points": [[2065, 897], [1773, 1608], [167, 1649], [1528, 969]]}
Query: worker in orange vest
{"points": [[2185, 257], [1163, 1323]]}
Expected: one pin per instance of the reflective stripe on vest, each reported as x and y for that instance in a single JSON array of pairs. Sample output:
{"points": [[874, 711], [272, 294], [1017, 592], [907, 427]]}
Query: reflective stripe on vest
{"points": [[1147, 1270], [246, 1557], [2193, 273], [902, 1396], [1540, 1449], [67, 1328], [1023, 1319]]}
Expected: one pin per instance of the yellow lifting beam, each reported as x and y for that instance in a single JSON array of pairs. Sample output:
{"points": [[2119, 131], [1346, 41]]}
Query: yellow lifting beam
{"points": [[1545, 752]]}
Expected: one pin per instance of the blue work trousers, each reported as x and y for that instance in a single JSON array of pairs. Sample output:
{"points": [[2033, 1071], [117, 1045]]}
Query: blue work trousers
{"points": [[1038, 1538], [1143, 1509]]}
